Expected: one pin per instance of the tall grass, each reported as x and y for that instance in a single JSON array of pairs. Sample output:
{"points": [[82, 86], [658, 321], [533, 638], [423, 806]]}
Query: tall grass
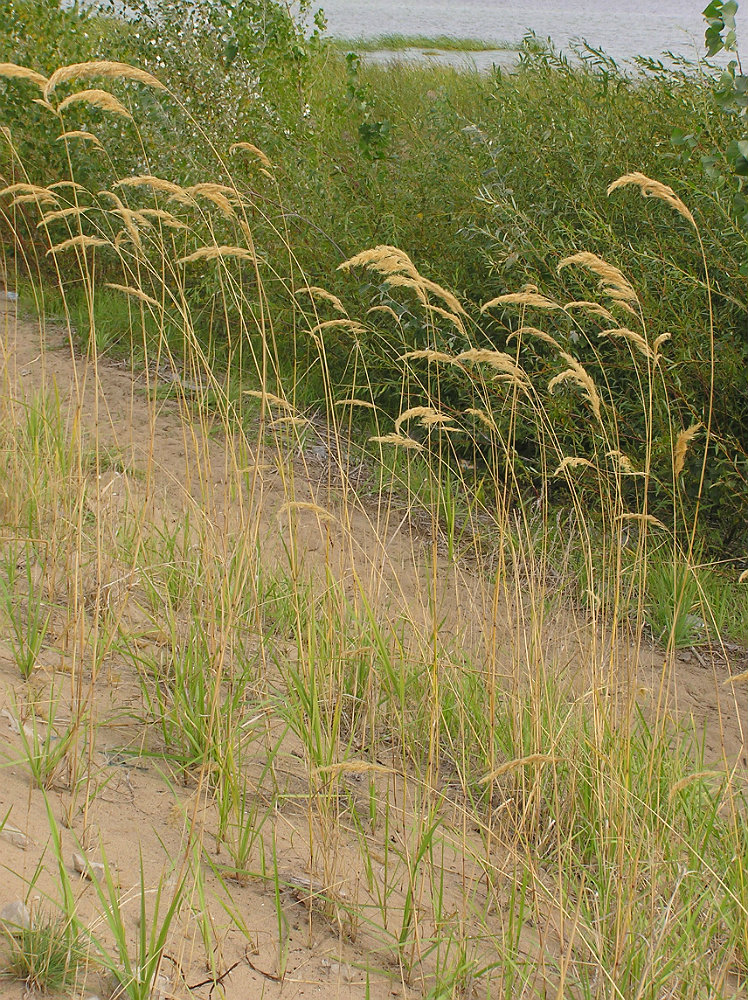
{"points": [[410, 708]]}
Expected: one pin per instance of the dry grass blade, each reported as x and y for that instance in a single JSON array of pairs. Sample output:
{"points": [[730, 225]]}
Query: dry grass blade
{"points": [[13, 72], [653, 189], [681, 447], [105, 68], [97, 98]]}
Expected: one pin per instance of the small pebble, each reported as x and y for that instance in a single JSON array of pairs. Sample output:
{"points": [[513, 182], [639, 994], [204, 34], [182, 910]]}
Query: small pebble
{"points": [[16, 837], [91, 869], [16, 915]]}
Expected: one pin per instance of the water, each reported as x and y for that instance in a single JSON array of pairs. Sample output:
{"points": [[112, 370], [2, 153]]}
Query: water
{"points": [[623, 28]]}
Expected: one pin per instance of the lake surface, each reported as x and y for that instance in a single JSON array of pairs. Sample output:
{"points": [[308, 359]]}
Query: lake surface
{"points": [[623, 28]]}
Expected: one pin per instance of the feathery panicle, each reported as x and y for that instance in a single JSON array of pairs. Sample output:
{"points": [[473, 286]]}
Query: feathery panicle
{"points": [[576, 373], [437, 420], [591, 307], [80, 243], [128, 216], [526, 298], [136, 293], [270, 398], [72, 185], [38, 199], [45, 104], [681, 447], [450, 300], [160, 215], [662, 339], [121, 238], [450, 316], [250, 147], [216, 252], [208, 188], [398, 439], [62, 213], [383, 259], [385, 309], [320, 293], [573, 462], [498, 360], [428, 355], [484, 418], [621, 303], [223, 197], [623, 333], [415, 411], [99, 99], [623, 462], [175, 192], [533, 331], [79, 134], [347, 324], [653, 189], [105, 68], [643, 519], [11, 71], [315, 508], [356, 402], [32, 189], [612, 279], [404, 281]]}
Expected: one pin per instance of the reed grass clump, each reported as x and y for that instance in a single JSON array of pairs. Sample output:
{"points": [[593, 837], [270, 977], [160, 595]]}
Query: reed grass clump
{"points": [[419, 698]]}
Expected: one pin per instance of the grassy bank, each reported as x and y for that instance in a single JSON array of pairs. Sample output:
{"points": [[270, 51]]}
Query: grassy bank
{"points": [[487, 180], [395, 43], [383, 538]]}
